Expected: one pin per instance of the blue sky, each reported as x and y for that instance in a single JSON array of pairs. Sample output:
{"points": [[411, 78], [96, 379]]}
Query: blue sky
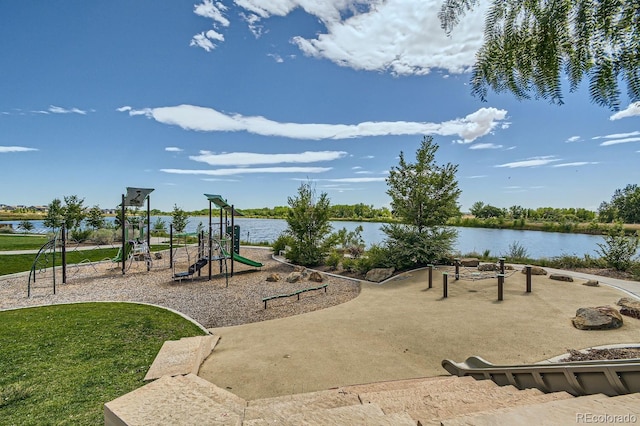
{"points": [[249, 98]]}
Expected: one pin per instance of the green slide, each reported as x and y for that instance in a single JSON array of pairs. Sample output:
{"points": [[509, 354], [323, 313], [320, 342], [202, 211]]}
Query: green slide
{"points": [[244, 260]]}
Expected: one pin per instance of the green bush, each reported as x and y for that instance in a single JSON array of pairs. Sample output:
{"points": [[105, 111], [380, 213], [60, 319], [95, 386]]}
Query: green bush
{"points": [[103, 236], [349, 264], [81, 235], [618, 249], [281, 243], [333, 260], [516, 251]]}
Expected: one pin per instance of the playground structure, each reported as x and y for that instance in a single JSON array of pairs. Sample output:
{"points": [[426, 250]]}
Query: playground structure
{"points": [[50, 263], [223, 249], [135, 197]]}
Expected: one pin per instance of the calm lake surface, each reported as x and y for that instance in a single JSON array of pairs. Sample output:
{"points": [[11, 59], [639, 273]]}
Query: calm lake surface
{"points": [[538, 244]]}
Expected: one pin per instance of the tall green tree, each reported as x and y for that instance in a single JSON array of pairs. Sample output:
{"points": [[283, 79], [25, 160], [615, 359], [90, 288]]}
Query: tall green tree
{"points": [[74, 212], [530, 46], [624, 206], [179, 219], [55, 214], [309, 227], [95, 217], [424, 196]]}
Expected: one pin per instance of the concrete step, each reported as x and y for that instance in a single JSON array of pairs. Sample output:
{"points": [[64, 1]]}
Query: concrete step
{"points": [[180, 357], [215, 393], [172, 401], [584, 409], [368, 414], [282, 407], [403, 384]]}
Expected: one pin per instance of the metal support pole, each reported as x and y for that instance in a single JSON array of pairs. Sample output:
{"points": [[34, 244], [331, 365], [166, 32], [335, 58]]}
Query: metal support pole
{"points": [[210, 238], [501, 265], [430, 275], [170, 245], [500, 286], [528, 270], [148, 232], [456, 261], [445, 286], [233, 239], [64, 259], [123, 223]]}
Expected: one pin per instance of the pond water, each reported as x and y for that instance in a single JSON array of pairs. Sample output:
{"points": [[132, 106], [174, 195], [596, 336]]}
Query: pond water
{"points": [[498, 241]]}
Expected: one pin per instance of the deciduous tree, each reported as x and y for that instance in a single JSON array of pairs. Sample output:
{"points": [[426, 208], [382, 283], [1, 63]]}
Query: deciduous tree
{"points": [[530, 46]]}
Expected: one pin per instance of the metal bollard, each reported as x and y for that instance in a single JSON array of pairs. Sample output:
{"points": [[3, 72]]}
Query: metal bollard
{"points": [[430, 275], [528, 270], [445, 285], [456, 261], [500, 286], [502, 265]]}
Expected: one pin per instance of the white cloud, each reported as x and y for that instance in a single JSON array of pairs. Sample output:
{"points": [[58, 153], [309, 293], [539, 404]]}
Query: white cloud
{"points": [[207, 9], [531, 162], [632, 110], [576, 164], [124, 108], [4, 149], [618, 135], [252, 158], [477, 177], [485, 146], [215, 11], [398, 36], [355, 179], [173, 149], [241, 170], [573, 139], [191, 117], [276, 57], [619, 141], [59, 110]]}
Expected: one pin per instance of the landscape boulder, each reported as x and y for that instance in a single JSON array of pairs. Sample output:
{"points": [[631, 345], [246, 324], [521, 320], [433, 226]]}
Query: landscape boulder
{"points": [[597, 318], [294, 277], [273, 277], [469, 262], [629, 307], [535, 270], [157, 255], [592, 283], [379, 274], [561, 277], [316, 277], [488, 267]]}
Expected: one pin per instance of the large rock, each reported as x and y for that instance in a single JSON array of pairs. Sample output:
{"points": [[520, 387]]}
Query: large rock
{"points": [[469, 262], [535, 270], [273, 277], [629, 307], [379, 274], [294, 277], [592, 283], [316, 277], [488, 267], [561, 277], [598, 318]]}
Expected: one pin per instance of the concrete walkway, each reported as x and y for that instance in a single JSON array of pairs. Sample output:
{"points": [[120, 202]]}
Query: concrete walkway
{"points": [[402, 329]]}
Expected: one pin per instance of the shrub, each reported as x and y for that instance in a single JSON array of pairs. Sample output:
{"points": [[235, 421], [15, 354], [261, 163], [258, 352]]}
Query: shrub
{"points": [[333, 260], [516, 251], [80, 235], [103, 236], [281, 243], [349, 265], [618, 249]]}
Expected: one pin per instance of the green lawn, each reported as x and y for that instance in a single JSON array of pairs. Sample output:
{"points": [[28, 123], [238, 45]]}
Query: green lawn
{"points": [[12, 263], [21, 242], [60, 364]]}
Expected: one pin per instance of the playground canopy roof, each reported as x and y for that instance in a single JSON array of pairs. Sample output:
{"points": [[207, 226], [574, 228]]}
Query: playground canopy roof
{"points": [[222, 204], [135, 196]]}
